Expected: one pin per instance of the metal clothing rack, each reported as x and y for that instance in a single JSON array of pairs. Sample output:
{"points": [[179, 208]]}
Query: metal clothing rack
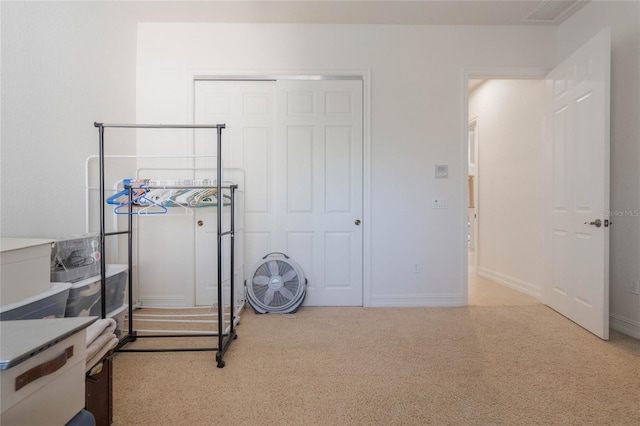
{"points": [[224, 337]]}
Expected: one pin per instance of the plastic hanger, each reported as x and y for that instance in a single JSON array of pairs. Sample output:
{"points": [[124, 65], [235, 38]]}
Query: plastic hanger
{"points": [[115, 198]]}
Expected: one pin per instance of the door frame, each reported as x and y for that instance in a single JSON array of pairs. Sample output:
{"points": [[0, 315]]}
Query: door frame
{"points": [[473, 122], [487, 74], [308, 74]]}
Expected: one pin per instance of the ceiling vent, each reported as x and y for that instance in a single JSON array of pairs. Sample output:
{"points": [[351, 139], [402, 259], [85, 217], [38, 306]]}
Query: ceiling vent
{"points": [[552, 11]]}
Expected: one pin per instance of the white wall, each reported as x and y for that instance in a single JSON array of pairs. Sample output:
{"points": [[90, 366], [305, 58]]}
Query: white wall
{"points": [[416, 118], [510, 115], [64, 66], [68, 64], [624, 20]]}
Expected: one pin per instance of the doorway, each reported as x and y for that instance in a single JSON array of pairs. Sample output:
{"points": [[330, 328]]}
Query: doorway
{"points": [[571, 263], [504, 219]]}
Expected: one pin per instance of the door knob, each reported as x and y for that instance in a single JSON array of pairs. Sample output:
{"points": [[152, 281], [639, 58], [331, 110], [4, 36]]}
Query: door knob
{"points": [[597, 223], [357, 222], [200, 223]]}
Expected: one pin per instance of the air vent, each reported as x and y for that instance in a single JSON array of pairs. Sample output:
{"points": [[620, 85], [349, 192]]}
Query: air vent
{"points": [[552, 11]]}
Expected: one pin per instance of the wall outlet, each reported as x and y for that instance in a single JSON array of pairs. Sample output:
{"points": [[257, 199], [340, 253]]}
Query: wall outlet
{"points": [[634, 287]]}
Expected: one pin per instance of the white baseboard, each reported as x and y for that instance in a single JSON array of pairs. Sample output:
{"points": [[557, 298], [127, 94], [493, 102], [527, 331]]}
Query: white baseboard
{"points": [[514, 283], [418, 300], [624, 325]]}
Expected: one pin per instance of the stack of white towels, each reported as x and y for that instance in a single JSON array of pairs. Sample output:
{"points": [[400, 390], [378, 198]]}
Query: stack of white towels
{"points": [[100, 340]]}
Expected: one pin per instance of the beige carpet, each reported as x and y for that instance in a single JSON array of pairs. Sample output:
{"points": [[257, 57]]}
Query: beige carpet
{"points": [[510, 365]]}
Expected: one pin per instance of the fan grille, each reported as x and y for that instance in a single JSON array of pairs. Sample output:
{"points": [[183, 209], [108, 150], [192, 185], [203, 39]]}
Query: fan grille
{"points": [[276, 285]]}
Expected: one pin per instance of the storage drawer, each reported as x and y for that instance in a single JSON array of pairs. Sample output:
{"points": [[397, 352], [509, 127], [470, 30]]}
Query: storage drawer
{"points": [[43, 370], [49, 304], [75, 258], [84, 296]]}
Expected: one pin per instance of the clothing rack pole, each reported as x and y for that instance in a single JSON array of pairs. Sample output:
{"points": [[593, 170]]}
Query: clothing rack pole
{"points": [[130, 331], [103, 261], [219, 206], [232, 261]]}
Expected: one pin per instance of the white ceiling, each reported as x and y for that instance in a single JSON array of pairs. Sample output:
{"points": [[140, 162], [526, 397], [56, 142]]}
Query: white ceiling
{"points": [[416, 12]]}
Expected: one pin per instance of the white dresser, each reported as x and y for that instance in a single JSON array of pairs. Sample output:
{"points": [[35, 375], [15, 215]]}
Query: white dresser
{"points": [[42, 367]]}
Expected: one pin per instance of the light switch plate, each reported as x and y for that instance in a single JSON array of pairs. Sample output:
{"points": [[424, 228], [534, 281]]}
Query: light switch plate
{"points": [[442, 171]]}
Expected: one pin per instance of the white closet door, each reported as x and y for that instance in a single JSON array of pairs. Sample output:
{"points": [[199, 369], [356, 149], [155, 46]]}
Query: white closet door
{"points": [[319, 179], [247, 108], [299, 144]]}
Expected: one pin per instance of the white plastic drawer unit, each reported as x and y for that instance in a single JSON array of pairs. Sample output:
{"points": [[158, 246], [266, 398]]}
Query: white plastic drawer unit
{"points": [[42, 368]]}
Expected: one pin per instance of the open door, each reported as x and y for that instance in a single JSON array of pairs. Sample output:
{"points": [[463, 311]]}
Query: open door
{"points": [[576, 270]]}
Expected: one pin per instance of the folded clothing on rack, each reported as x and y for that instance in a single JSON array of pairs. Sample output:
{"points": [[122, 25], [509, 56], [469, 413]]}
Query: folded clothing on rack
{"points": [[101, 339]]}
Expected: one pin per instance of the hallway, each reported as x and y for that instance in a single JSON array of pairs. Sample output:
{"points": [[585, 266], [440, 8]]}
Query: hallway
{"points": [[483, 292]]}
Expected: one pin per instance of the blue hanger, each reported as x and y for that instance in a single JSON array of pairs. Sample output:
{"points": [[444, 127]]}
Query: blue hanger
{"points": [[138, 198], [141, 201], [136, 193]]}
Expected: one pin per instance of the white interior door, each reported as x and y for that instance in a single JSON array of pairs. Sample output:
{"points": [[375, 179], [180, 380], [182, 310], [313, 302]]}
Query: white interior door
{"points": [[319, 180], [247, 108], [296, 145], [577, 187]]}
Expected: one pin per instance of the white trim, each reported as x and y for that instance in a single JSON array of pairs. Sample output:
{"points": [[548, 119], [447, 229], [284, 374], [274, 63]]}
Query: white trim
{"points": [[624, 325], [275, 77], [464, 187], [356, 74], [304, 74], [504, 73], [366, 188], [418, 300], [513, 283], [475, 122], [483, 73]]}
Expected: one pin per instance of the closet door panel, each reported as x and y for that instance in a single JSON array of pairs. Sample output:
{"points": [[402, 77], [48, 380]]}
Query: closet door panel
{"points": [[256, 169], [319, 143], [247, 108], [299, 168], [338, 164]]}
